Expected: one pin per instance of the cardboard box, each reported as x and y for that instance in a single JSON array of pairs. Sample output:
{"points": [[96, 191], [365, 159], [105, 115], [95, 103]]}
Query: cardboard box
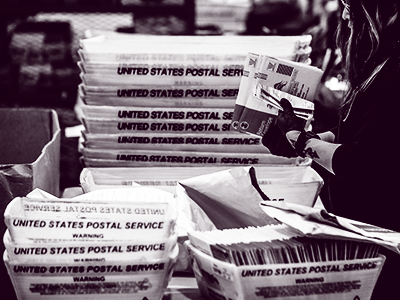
{"points": [[29, 152], [29, 158]]}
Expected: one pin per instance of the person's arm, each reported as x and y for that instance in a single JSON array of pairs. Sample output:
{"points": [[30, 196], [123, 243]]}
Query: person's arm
{"points": [[327, 136]]}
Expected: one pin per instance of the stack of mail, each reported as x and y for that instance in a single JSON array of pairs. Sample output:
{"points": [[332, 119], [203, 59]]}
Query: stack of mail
{"points": [[281, 262]]}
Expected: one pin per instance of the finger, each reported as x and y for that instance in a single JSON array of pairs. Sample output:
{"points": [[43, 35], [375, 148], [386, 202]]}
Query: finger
{"points": [[286, 105]]}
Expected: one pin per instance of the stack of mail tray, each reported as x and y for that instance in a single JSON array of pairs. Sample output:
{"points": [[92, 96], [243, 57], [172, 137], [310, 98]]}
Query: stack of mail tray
{"points": [[168, 101], [295, 184], [91, 248]]}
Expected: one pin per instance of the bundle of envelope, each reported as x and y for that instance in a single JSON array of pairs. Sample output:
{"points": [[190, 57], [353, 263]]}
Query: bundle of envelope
{"points": [[269, 81], [279, 261]]}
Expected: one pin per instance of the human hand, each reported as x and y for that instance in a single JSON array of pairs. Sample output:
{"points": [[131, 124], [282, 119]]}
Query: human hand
{"points": [[277, 143], [287, 119], [276, 139]]}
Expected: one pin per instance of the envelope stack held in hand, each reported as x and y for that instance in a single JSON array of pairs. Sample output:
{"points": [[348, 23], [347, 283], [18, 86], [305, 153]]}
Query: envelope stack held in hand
{"points": [[269, 80]]}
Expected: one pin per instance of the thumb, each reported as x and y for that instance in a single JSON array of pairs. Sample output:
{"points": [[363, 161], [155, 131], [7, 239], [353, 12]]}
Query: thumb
{"points": [[286, 105]]}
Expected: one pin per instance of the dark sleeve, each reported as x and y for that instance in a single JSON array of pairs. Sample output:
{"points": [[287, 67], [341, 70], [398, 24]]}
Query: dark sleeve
{"points": [[334, 130], [372, 156]]}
